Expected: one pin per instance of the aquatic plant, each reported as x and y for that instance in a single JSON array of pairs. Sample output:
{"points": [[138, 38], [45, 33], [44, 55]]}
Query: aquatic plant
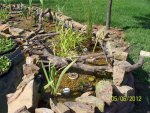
{"points": [[4, 64], [6, 44], [51, 75], [3, 15], [67, 41]]}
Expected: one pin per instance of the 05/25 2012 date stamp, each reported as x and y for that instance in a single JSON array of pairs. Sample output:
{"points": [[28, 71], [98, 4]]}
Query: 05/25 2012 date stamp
{"points": [[127, 98]]}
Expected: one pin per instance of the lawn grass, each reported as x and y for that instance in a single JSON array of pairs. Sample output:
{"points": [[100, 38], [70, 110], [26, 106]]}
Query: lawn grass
{"points": [[133, 16]]}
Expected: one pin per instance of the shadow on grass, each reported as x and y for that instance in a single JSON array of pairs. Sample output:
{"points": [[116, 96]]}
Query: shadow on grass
{"points": [[142, 88], [142, 22]]}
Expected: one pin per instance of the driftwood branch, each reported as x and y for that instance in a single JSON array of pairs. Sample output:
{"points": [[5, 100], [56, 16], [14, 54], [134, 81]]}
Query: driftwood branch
{"points": [[135, 66], [61, 62]]}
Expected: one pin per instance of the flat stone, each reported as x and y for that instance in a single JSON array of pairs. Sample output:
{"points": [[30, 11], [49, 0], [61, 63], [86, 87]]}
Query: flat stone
{"points": [[43, 110], [59, 107], [124, 90], [78, 107], [22, 110], [62, 108], [92, 101], [30, 69], [16, 31], [32, 59], [25, 96], [119, 55], [5, 35], [104, 91], [4, 28]]}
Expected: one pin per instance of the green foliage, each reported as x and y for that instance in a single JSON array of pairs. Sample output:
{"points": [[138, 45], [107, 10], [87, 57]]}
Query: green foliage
{"points": [[24, 13], [51, 75], [67, 41], [6, 44], [4, 64], [3, 15], [89, 17], [42, 3], [30, 3], [7, 1]]}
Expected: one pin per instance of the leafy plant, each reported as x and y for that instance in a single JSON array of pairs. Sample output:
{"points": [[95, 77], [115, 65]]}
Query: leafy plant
{"points": [[51, 75], [4, 64], [3, 15], [6, 44], [67, 41]]}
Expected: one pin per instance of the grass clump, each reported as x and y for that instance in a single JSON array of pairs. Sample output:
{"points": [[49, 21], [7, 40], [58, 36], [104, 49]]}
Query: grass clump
{"points": [[4, 64], [67, 42], [3, 15], [53, 80], [6, 44]]}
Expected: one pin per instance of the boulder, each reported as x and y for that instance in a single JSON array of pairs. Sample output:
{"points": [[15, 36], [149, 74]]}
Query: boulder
{"points": [[43, 110], [77, 107], [25, 96], [104, 91]]}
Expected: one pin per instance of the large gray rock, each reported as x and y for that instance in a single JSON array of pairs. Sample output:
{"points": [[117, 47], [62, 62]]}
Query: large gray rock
{"points": [[43, 110], [25, 96]]}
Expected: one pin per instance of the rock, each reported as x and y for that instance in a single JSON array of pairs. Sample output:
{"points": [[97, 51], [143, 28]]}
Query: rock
{"points": [[30, 69], [144, 53], [32, 59], [59, 107], [4, 28], [104, 91], [22, 110], [43, 110], [25, 96], [62, 108], [77, 107], [86, 94], [124, 90], [119, 55], [119, 71], [118, 75], [16, 31], [5, 35], [92, 101]]}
